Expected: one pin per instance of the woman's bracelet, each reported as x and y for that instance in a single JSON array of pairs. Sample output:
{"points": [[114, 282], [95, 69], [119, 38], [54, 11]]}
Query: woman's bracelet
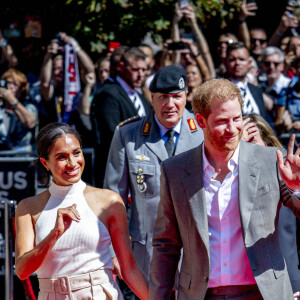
{"points": [[198, 54], [14, 106]]}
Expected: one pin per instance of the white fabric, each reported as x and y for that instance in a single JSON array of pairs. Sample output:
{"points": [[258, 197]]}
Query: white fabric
{"points": [[249, 105], [97, 285], [281, 83], [229, 263], [84, 247], [71, 80], [4, 121]]}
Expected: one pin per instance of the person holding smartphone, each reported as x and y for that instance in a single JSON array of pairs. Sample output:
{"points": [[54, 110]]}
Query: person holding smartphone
{"points": [[183, 9]]}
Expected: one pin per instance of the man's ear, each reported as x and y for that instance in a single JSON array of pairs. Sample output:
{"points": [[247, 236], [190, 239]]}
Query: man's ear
{"points": [[281, 67], [200, 120], [121, 66]]}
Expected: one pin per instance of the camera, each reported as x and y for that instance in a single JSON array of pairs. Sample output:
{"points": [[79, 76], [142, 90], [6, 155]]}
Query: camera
{"points": [[59, 40], [3, 83], [176, 46], [183, 2]]}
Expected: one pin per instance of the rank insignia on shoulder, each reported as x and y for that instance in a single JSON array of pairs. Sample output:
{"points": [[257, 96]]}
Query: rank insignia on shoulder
{"points": [[192, 125], [146, 128], [130, 120]]}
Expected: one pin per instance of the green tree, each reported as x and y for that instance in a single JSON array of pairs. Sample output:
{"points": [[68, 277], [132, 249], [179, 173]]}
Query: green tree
{"points": [[127, 21], [94, 23]]}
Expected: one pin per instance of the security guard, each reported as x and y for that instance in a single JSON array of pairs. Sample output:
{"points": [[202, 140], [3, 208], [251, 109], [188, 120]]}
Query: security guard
{"points": [[138, 147]]}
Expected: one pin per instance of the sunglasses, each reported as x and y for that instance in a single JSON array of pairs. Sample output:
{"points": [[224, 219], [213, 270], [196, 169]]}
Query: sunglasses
{"points": [[268, 63], [230, 41], [253, 40]]}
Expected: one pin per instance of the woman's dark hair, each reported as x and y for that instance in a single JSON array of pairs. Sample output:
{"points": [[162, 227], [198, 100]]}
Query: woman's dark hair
{"points": [[48, 136]]}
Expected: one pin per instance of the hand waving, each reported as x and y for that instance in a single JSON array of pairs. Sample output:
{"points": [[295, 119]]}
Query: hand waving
{"points": [[290, 168]]}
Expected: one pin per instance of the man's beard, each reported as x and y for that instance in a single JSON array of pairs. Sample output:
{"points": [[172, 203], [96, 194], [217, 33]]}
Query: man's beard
{"points": [[221, 145]]}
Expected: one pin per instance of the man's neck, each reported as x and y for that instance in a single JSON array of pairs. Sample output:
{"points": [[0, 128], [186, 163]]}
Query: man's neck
{"points": [[272, 81], [124, 82], [219, 160], [239, 78]]}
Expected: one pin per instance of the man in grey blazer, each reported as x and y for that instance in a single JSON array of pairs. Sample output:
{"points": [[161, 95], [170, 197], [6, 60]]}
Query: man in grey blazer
{"points": [[220, 204], [137, 150]]}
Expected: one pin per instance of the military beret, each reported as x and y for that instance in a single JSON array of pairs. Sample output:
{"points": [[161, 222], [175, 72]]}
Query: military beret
{"points": [[169, 80]]}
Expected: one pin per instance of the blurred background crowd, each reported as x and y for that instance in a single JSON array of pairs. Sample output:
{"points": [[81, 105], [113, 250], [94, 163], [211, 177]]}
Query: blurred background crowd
{"points": [[52, 78]]}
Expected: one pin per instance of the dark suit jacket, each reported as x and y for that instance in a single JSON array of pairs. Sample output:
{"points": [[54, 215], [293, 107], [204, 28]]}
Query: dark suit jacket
{"points": [[257, 94], [110, 107]]}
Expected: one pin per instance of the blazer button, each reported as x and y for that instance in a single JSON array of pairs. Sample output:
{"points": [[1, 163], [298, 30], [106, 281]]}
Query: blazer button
{"points": [[205, 279]]}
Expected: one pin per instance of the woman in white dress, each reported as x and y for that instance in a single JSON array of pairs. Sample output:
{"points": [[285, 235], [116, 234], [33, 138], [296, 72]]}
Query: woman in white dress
{"points": [[64, 233]]}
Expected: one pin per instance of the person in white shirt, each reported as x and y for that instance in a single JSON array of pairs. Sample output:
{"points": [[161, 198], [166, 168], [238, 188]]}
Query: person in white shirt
{"points": [[219, 204], [272, 65], [238, 63]]}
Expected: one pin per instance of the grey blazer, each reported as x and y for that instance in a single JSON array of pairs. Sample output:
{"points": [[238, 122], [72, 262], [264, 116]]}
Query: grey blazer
{"points": [[133, 150], [182, 223]]}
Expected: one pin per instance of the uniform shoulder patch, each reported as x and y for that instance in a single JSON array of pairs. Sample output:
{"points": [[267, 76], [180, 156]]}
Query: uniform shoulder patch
{"points": [[192, 125], [130, 120]]}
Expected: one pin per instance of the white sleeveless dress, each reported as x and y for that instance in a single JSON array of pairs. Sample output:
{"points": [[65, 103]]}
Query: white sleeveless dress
{"points": [[83, 248]]}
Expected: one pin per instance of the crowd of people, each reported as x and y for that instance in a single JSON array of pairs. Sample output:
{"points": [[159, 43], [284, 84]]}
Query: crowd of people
{"points": [[138, 108]]}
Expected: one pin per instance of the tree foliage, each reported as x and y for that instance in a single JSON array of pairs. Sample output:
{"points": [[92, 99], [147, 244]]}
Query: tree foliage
{"points": [[96, 22], [127, 21]]}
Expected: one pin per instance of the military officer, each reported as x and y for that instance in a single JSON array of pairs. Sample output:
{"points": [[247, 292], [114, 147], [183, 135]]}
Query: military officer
{"points": [[138, 147]]}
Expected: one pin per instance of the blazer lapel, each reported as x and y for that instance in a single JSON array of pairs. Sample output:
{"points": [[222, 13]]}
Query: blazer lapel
{"points": [[195, 192], [248, 181], [153, 140]]}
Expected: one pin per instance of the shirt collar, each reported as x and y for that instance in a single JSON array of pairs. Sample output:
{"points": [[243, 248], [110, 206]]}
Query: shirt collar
{"points": [[240, 84], [128, 89], [163, 129], [232, 163]]}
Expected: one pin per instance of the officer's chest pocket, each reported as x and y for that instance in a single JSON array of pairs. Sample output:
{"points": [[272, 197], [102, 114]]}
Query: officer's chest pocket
{"points": [[143, 178]]}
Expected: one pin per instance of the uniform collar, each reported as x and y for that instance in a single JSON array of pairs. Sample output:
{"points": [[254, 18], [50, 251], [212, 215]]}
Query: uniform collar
{"points": [[163, 129]]}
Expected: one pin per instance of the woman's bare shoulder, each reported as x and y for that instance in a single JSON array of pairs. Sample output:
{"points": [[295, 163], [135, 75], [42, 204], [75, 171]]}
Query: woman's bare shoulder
{"points": [[102, 195], [34, 204], [104, 202]]}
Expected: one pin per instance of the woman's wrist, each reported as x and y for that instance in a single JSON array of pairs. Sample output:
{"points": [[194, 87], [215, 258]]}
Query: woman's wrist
{"points": [[14, 105], [197, 54], [75, 45]]}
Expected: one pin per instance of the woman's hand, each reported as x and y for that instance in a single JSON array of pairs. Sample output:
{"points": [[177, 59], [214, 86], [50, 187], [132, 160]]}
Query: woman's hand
{"points": [[251, 133], [64, 218], [8, 97]]}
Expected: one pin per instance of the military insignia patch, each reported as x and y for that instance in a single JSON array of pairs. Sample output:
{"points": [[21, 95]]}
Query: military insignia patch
{"points": [[181, 83], [192, 125], [146, 128], [142, 158]]}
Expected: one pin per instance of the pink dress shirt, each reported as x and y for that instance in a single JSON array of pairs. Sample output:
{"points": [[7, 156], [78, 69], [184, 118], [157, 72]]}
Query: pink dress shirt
{"points": [[229, 263]]}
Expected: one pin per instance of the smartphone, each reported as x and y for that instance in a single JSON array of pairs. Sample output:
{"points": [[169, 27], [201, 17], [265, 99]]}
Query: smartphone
{"points": [[59, 40], [176, 46], [3, 83], [183, 2]]}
